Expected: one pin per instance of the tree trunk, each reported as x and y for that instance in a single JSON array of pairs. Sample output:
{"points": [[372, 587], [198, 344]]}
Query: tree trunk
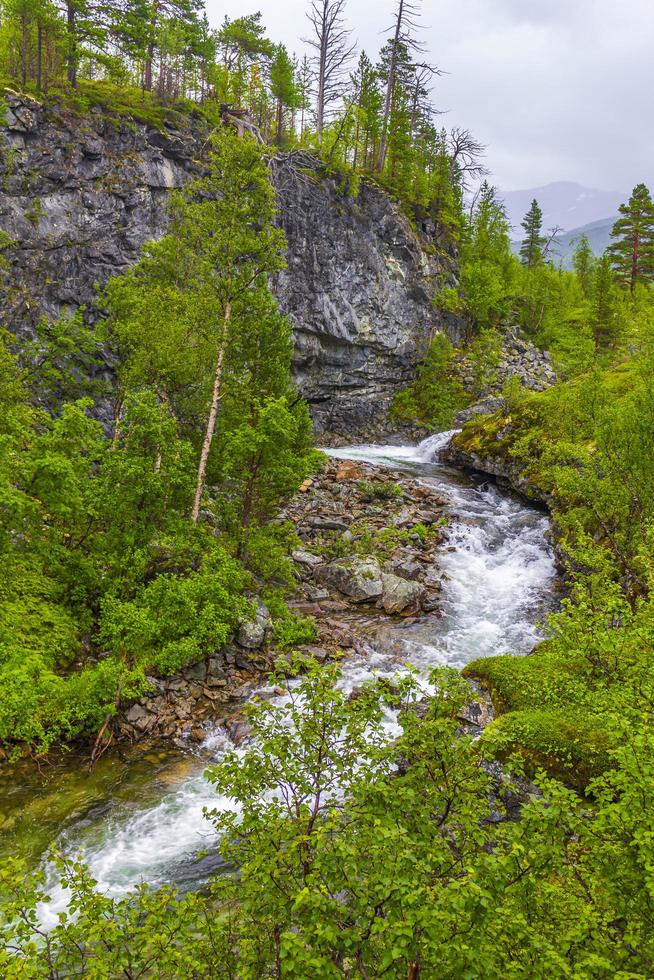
{"points": [[23, 49], [71, 29], [39, 54], [279, 122], [635, 256], [322, 68], [211, 420], [390, 89]]}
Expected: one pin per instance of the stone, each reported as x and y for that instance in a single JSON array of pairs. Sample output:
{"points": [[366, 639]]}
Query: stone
{"points": [[360, 579], [251, 635], [399, 595], [195, 672], [136, 714], [215, 667], [216, 682], [327, 524], [412, 570], [348, 469], [307, 558]]}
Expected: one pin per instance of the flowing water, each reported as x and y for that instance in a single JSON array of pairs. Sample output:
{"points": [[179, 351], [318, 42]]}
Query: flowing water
{"points": [[499, 573]]}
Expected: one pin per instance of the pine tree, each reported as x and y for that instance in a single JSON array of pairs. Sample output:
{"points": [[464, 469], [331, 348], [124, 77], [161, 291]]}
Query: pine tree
{"points": [[632, 254], [283, 88], [604, 317], [584, 263], [531, 250]]}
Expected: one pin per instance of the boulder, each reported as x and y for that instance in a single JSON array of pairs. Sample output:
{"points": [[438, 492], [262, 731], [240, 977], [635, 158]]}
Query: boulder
{"points": [[408, 569], [254, 633], [251, 635], [306, 558], [360, 579], [399, 595], [349, 469]]}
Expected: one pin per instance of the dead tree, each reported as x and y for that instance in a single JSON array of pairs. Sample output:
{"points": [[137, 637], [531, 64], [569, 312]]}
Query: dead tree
{"points": [[330, 41], [240, 119], [466, 154]]}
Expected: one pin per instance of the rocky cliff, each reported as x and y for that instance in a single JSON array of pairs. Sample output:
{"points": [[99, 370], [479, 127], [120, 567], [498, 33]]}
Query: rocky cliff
{"points": [[80, 194], [359, 290]]}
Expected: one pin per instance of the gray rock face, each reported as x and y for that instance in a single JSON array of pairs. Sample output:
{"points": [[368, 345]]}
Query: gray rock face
{"points": [[360, 579], [358, 289], [80, 195]]}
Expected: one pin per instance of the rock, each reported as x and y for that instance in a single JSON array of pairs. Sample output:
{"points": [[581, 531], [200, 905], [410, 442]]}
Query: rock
{"points": [[360, 277], [137, 714], [238, 730], [479, 713], [253, 633], [408, 569], [306, 558], [306, 485], [305, 608], [348, 469], [399, 595], [315, 652], [431, 604], [358, 289], [215, 667], [360, 579], [432, 578], [250, 635], [195, 672], [327, 524]]}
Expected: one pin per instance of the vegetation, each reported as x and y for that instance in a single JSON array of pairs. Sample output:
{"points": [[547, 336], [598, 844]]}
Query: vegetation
{"points": [[586, 446], [135, 551], [109, 572], [410, 871]]}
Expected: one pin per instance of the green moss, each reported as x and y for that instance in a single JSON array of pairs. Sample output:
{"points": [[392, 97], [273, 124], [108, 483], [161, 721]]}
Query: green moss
{"points": [[574, 747]]}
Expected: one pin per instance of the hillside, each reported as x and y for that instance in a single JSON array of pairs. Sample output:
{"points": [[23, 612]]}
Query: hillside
{"points": [[598, 234], [564, 204]]}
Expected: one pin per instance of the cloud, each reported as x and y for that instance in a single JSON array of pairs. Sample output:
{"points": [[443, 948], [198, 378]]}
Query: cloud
{"points": [[557, 89]]}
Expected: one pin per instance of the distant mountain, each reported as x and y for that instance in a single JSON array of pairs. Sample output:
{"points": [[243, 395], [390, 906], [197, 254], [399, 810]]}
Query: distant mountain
{"points": [[598, 234], [566, 204]]}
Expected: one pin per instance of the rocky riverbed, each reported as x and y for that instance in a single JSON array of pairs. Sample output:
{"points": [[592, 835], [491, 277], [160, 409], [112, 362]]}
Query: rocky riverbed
{"points": [[369, 549]]}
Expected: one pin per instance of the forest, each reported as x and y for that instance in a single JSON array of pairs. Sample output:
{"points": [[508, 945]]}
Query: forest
{"points": [[135, 548]]}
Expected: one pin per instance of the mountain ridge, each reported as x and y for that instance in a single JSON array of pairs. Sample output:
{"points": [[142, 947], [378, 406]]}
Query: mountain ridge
{"points": [[565, 204]]}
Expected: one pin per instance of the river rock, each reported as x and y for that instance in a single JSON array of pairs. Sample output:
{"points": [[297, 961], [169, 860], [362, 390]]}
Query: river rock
{"points": [[253, 633], [360, 579], [412, 570], [399, 595]]}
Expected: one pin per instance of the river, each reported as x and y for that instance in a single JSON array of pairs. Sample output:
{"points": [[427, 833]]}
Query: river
{"points": [[499, 583]]}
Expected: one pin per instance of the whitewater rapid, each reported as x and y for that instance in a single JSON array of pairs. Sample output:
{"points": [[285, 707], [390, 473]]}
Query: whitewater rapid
{"points": [[499, 572]]}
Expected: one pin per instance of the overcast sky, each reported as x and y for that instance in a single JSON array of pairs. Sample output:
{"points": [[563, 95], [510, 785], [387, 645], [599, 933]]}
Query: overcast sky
{"points": [[557, 89]]}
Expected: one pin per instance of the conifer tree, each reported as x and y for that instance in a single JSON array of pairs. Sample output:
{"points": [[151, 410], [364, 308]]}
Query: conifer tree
{"points": [[583, 262], [283, 88], [531, 250], [632, 252], [604, 318]]}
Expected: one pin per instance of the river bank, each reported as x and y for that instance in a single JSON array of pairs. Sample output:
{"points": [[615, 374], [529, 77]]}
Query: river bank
{"points": [[141, 816]]}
